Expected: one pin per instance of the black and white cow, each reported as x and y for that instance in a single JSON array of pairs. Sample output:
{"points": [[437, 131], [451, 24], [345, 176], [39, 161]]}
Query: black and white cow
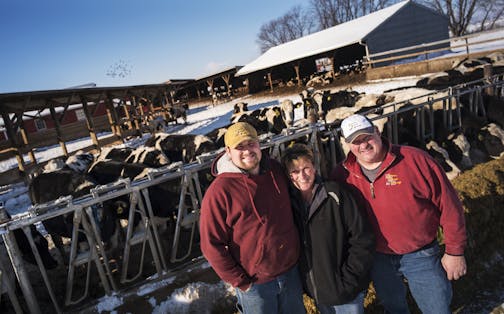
{"points": [[41, 244], [217, 135], [443, 158], [323, 101], [490, 140], [240, 107], [264, 120], [148, 156], [181, 147], [72, 180], [287, 108], [178, 111]]}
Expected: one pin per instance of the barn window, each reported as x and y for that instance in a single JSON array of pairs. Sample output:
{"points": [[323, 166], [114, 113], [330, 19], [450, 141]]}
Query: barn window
{"points": [[40, 124]]}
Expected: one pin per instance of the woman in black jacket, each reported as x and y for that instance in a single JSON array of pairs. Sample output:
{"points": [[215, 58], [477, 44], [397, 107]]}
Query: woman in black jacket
{"points": [[337, 241]]}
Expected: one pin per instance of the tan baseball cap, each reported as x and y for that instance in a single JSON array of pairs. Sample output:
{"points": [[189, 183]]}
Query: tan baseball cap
{"points": [[239, 132]]}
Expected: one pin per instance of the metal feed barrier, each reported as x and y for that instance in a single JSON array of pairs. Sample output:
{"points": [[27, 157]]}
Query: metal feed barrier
{"points": [[323, 138]]}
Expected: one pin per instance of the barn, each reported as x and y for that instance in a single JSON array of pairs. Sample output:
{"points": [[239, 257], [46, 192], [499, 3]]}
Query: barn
{"points": [[401, 25]]}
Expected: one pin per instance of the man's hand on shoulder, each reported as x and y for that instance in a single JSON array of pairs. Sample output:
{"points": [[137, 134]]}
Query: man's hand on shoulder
{"points": [[454, 265]]}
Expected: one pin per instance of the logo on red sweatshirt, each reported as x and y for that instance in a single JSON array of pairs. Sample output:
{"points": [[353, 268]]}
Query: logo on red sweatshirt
{"points": [[392, 179]]}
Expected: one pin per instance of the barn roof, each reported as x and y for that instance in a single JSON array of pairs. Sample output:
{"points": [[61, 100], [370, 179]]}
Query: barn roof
{"points": [[329, 39]]}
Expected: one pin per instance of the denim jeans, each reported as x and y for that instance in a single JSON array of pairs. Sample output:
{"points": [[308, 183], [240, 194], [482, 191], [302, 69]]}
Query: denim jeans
{"points": [[426, 279], [356, 306], [284, 294]]}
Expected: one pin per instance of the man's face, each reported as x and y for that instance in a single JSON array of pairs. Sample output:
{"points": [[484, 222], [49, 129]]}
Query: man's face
{"points": [[368, 149], [246, 156], [302, 173]]}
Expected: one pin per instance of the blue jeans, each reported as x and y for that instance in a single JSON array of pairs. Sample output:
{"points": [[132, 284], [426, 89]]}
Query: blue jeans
{"points": [[356, 306], [284, 294], [426, 279]]}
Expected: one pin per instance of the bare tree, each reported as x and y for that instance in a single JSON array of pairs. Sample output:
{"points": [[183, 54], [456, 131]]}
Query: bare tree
{"points": [[490, 12], [328, 13], [463, 13], [294, 24]]}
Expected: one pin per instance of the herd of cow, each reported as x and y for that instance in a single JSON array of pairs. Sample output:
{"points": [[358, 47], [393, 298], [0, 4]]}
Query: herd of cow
{"points": [[478, 140]]}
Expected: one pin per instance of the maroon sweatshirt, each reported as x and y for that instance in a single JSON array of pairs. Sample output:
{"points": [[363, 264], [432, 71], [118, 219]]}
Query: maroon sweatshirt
{"points": [[247, 229]]}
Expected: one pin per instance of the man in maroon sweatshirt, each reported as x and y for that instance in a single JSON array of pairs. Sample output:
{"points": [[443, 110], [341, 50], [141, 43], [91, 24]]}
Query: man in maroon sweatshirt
{"points": [[407, 197], [247, 228]]}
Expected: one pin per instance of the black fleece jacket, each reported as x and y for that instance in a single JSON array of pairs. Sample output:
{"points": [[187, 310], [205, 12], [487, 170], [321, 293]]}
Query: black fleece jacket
{"points": [[337, 244]]}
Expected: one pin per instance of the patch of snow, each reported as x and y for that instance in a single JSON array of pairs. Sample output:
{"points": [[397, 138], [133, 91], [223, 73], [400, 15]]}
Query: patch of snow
{"points": [[196, 297], [108, 303]]}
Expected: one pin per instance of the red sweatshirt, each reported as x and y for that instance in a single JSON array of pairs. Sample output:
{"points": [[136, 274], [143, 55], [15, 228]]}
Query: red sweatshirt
{"points": [[409, 199], [247, 229]]}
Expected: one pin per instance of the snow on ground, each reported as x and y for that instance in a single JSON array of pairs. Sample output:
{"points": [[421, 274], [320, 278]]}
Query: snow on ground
{"points": [[200, 120], [195, 297]]}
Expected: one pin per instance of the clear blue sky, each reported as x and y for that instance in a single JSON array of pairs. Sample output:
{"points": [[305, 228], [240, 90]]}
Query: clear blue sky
{"points": [[54, 44]]}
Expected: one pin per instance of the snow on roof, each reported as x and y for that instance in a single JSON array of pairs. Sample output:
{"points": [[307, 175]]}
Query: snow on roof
{"points": [[329, 39]]}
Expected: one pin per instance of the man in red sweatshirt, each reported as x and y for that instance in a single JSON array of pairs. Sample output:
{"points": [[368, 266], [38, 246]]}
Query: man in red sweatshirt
{"points": [[407, 197], [247, 230]]}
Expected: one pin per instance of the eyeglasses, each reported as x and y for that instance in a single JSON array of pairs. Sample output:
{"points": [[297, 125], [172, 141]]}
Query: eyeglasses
{"points": [[307, 171]]}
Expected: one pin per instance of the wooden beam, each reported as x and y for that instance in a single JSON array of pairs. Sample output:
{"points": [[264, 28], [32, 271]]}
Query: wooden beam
{"points": [[210, 84], [270, 82], [226, 79], [14, 143], [134, 107], [59, 135], [90, 124], [112, 119], [296, 68], [127, 115], [24, 137]]}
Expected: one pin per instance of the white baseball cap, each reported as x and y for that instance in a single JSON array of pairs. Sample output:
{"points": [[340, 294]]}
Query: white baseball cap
{"points": [[356, 125]]}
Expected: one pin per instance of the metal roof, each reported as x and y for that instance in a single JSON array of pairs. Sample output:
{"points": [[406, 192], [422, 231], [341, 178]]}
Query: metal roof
{"points": [[338, 36]]}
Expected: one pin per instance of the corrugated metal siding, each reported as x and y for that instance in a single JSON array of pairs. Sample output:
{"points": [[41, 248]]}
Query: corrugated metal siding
{"points": [[412, 25]]}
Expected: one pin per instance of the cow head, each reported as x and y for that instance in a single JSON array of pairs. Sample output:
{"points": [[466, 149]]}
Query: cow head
{"points": [[80, 162], [240, 107]]}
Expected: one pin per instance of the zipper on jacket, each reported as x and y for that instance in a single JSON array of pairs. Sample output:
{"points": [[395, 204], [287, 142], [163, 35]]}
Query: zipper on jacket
{"points": [[371, 186], [314, 286]]}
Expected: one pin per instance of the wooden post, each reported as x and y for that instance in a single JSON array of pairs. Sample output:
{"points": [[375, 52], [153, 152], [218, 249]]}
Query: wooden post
{"points": [[210, 84], [135, 110], [332, 67], [487, 74], [127, 114], [59, 136], [116, 118], [270, 82], [90, 124], [226, 79], [24, 137], [296, 68], [112, 118], [151, 109], [14, 142], [370, 65]]}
